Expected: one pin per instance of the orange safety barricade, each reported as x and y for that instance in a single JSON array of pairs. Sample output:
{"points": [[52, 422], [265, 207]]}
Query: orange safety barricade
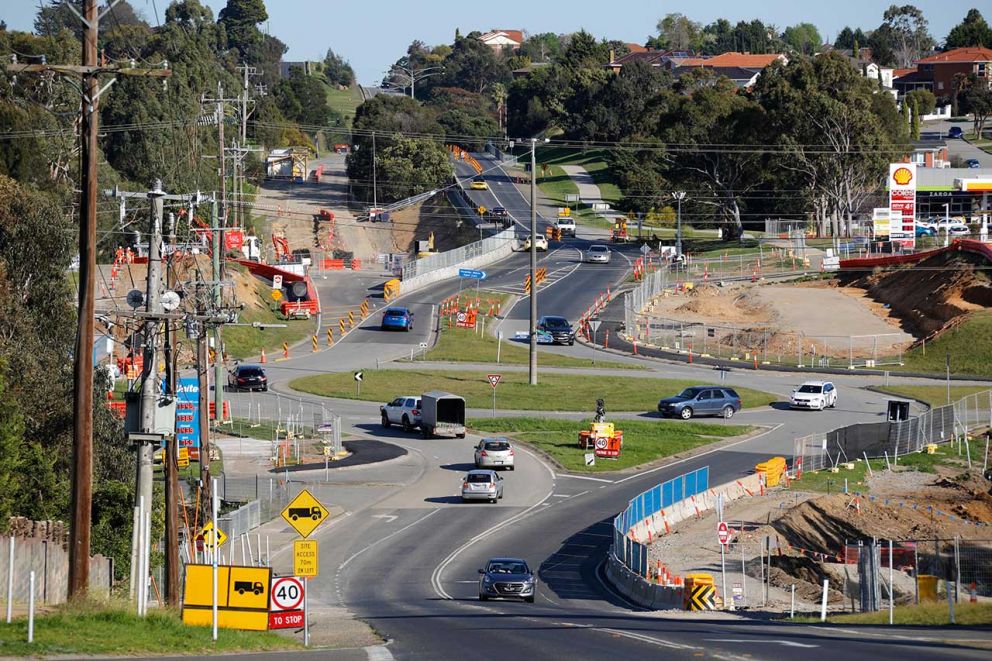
{"points": [[356, 264]]}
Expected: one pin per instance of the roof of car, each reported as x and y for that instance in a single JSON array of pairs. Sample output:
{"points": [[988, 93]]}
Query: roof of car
{"points": [[505, 559], [598, 247], [395, 310], [250, 366], [495, 438], [481, 471], [815, 383]]}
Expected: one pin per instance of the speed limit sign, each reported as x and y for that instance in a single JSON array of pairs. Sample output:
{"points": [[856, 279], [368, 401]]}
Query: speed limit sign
{"points": [[286, 611]]}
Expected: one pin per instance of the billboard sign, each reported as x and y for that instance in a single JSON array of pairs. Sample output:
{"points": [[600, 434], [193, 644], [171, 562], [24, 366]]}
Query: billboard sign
{"points": [[902, 200], [188, 412]]}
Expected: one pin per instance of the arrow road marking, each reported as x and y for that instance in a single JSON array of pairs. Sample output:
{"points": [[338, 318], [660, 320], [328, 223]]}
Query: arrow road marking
{"points": [[389, 517]]}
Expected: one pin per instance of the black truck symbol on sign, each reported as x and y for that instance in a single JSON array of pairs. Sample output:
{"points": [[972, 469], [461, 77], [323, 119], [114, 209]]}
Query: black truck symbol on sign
{"points": [[314, 513], [248, 586]]}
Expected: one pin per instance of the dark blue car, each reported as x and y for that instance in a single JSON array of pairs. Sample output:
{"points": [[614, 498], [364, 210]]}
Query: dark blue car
{"points": [[955, 132], [397, 319]]}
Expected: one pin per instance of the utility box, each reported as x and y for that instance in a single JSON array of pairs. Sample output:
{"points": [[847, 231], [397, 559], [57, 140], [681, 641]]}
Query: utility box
{"points": [[165, 415], [898, 410]]}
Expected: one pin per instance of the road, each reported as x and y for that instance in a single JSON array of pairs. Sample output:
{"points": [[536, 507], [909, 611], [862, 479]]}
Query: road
{"points": [[405, 557]]}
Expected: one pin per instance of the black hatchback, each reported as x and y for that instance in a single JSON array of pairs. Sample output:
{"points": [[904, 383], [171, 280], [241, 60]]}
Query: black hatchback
{"points": [[247, 377]]}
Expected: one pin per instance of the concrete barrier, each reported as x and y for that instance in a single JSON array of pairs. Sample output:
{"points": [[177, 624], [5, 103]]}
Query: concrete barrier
{"points": [[638, 590], [501, 248]]}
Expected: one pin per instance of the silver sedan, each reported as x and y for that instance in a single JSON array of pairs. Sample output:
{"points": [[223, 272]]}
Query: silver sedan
{"points": [[598, 254], [494, 453], [482, 485]]}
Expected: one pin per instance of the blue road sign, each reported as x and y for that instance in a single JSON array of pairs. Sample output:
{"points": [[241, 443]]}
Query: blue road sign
{"points": [[471, 273]]}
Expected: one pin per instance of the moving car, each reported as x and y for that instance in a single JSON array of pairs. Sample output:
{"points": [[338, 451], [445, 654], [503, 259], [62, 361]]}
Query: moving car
{"points": [[403, 410], [479, 183], [482, 485], [566, 225], [701, 400], [598, 254], [248, 377], [397, 319], [955, 132], [507, 578], [494, 453], [973, 163], [558, 328], [814, 395], [925, 230], [540, 241]]}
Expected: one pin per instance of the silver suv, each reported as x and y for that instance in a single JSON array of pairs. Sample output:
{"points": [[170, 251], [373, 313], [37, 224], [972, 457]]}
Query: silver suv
{"points": [[403, 411], [507, 578], [494, 453]]}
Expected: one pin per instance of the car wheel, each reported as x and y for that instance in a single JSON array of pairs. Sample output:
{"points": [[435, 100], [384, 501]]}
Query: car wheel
{"points": [[571, 342], [265, 389], [407, 427], [822, 406], [686, 413], [385, 421], [529, 600], [512, 468], [462, 435], [483, 597], [833, 404], [728, 412]]}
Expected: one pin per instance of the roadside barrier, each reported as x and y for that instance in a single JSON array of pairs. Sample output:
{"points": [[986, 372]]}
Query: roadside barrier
{"points": [[330, 337], [225, 411], [332, 264], [285, 349]]}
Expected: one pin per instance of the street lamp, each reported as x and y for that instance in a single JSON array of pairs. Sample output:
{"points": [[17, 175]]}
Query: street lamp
{"points": [[679, 196], [947, 224], [413, 74]]}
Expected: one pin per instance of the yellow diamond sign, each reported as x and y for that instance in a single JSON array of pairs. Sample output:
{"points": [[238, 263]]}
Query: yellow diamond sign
{"points": [[209, 534], [305, 513]]}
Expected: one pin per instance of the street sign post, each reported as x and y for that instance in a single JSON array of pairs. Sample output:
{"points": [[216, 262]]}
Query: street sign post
{"points": [[590, 458], [242, 602], [645, 249], [304, 513], [494, 380], [286, 611], [594, 325], [723, 536], [305, 557], [213, 538], [723, 533], [472, 274], [358, 381]]}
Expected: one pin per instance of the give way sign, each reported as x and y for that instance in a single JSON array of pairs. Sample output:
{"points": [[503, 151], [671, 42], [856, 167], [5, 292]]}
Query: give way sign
{"points": [[494, 379], [723, 533]]}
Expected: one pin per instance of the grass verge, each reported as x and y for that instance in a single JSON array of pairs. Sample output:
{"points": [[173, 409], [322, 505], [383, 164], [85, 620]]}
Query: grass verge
{"points": [[556, 392], [929, 614], [935, 395], [108, 631], [643, 441], [247, 342], [969, 345]]}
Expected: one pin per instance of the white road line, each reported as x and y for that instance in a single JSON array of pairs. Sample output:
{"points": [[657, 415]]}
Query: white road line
{"points": [[378, 653], [560, 495], [585, 477], [391, 535], [701, 454]]}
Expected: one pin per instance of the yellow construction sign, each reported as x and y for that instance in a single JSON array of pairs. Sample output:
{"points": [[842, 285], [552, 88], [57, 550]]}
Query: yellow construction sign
{"points": [[305, 557], [305, 513], [183, 457], [208, 533], [242, 596]]}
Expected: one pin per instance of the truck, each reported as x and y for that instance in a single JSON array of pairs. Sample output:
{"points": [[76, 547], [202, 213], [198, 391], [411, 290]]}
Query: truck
{"points": [[305, 512], [442, 414]]}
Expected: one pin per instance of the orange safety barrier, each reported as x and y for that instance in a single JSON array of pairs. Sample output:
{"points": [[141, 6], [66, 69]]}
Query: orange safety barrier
{"points": [[119, 409], [356, 264], [226, 410], [332, 264]]}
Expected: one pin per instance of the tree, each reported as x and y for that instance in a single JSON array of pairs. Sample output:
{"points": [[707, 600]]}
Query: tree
{"points": [[803, 38], [911, 33], [979, 103], [677, 32], [925, 101], [882, 42], [408, 167], [302, 98], [972, 31], [543, 47], [473, 66], [337, 69], [240, 19], [12, 464], [914, 126]]}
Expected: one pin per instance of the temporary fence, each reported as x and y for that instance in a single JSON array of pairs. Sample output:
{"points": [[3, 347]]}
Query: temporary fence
{"points": [[293, 425], [952, 423], [458, 256], [49, 560]]}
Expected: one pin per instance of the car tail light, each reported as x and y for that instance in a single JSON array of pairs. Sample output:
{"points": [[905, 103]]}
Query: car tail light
{"points": [[415, 411], [241, 379], [482, 453], [512, 453], [464, 485]]}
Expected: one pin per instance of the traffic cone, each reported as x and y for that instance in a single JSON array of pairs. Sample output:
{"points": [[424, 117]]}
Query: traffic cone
{"points": [[262, 359]]}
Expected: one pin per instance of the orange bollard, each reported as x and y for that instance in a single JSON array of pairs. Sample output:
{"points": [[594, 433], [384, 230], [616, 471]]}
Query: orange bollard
{"points": [[262, 359], [285, 349], [606, 342]]}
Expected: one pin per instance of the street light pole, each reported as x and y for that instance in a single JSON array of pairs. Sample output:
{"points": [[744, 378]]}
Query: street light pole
{"points": [[533, 262], [678, 195]]}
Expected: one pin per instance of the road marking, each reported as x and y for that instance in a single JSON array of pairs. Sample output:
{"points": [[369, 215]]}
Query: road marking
{"points": [[787, 643], [376, 543], [584, 477], [560, 495], [379, 653], [648, 639], [389, 517], [702, 454]]}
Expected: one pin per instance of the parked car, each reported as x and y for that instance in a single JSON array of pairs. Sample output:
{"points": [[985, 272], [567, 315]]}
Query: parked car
{"points": [[494, 453], [701, 400], [558, 328], [482, 485], [248, 377], [814, 395], [479, 183], [540, 241], [955, 132], [507, 578], [954, 228], [973, 163], [598, 254], [566, 224], [397, 319], [925, 230], [442, 413], [403, 411]]}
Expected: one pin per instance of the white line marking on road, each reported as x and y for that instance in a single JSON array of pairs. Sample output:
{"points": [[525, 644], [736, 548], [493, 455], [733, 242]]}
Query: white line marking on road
{"points": [[584, 477], [389, 536], [787, 643], [379, 653], [648, 639], [389, 517], [581, 493], [561, 495], [701, 454]]}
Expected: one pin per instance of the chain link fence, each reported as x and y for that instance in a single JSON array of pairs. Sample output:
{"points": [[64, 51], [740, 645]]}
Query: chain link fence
{"points": [[293, 426]]}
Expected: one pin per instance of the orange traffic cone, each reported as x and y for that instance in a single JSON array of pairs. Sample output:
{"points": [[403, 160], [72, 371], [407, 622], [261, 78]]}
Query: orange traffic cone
{"points": [[262, 359]]}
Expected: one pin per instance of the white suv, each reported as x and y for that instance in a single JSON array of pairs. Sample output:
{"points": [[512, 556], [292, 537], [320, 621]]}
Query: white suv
{"points": [[403, 410], [566, 225], [814, 395]]}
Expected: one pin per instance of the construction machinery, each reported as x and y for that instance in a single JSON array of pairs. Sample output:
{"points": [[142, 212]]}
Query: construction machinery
{"points": [[280, 244], [426, 248], [620, 230]]}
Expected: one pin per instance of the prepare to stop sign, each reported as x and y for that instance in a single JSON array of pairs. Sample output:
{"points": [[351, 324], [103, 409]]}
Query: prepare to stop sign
{"points": [[286, 611], [723, 533]]}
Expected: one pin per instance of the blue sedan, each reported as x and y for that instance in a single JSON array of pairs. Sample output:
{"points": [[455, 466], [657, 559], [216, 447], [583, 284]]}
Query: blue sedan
{"points": [[397, 319]]}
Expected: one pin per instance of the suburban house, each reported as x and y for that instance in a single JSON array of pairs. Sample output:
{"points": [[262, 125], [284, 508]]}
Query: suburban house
{"points": [[742, 68], [500, 40], [936, 73], [284, 67], [930, 154]]}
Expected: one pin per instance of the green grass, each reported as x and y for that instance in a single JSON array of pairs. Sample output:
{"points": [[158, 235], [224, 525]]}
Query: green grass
{"points": [[344, 102], [643, 441], [555, 392], [969, 345], [106, 631], [928, 614], [245, 342], [935, 395]]}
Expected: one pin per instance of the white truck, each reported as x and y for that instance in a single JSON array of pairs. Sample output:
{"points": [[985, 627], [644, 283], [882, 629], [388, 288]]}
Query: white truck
{"points": [[442, 414], [567, 225]]}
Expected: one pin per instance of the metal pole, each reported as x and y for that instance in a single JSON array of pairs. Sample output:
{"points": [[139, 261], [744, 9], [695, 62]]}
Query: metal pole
{"points": [[792, 608], [723, 574], [171, 460], [823, 602], [680, 195], [375, 193], [533, 262], [140, 573], [82, 367], [214, 551], [10, 580], [306, 612], [31, 607], [892, 592], [957, 567]]}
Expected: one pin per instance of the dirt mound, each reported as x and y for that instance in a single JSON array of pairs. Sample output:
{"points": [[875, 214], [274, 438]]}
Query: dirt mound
{"points": [[713, 302], [436, 215], [931, 295]]}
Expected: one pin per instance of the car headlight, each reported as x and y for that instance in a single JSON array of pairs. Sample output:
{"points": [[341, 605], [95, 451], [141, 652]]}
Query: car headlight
{"points": [[487, 580]]}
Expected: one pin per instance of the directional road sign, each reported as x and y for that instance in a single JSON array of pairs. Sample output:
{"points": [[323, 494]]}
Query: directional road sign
{"points": [[472, 273], [723, 533], [358, 376], [208, 535], [305, 557], [494, 379], [645, 249], [594, 324], [305, 513], [590, 458]]}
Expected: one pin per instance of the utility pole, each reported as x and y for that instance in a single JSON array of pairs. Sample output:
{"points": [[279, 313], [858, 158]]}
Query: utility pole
{"points": [[375, 196], [678, 195], [533, 262], [150, 391], [171, 459], [247, 72]]}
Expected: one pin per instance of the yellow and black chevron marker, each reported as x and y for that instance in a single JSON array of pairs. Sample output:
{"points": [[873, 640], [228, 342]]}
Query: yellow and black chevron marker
{"points": [[701, 598]]}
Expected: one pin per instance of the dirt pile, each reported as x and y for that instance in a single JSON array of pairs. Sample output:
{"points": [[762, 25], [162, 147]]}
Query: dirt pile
{"points": [[725, 304], [436, 215], [933, 294]]}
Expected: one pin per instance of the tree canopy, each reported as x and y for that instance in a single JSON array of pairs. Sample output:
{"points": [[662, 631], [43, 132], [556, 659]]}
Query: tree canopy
{"points": [[972, 31]]}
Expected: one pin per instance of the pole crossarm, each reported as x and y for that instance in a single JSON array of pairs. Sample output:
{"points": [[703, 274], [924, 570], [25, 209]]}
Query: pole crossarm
{"points": [[80, 70]]}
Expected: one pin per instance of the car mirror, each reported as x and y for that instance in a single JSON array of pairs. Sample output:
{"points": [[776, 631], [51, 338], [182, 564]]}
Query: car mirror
{"points": [[482, 571]]}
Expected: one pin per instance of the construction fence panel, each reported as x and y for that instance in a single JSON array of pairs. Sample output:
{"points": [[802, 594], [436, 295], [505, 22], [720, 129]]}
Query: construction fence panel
{"points": [[458, 255]]}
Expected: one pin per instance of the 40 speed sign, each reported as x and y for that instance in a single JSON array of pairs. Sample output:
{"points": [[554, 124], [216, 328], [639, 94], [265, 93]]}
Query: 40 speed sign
{"points": [[286, 610]]}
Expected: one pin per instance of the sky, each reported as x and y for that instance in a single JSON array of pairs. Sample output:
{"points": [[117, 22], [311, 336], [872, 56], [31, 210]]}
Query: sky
{"points": [[372, 34]]}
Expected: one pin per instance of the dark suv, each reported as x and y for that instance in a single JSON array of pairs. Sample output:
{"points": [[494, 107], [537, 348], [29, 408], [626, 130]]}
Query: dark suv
{"points": [[247, 377], [701, 400], [558, 328]]}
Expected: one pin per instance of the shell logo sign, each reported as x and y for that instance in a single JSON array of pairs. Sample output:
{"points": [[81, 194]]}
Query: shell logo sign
{"points": [[902, 176]]}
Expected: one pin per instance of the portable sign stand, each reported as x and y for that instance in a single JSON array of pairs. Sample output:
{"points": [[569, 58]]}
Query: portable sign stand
{"points": [[305, 513], [723, 536], [494, 380]]}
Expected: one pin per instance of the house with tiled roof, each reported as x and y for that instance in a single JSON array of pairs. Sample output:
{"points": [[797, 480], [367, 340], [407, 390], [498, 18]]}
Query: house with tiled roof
{"points": [[745, 60], [500, 40], [937, 72]]}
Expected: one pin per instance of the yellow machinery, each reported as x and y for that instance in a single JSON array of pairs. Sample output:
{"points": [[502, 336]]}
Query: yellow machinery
{"points": [[620, 230], [425, 248]]}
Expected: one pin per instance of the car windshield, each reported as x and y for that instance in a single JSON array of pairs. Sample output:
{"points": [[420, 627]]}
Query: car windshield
{"points": [[478, 179], [250, 371], [689, 392], [507, 568], [556, 322], [395, 312], [497, 446], [598, 248], [478, 477], [808, 387]]}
